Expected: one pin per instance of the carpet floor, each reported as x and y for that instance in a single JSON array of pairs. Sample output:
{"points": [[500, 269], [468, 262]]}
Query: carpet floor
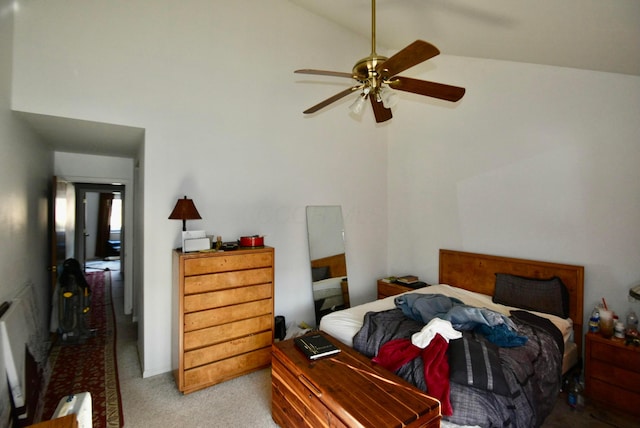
{"points": [[91, 365]]}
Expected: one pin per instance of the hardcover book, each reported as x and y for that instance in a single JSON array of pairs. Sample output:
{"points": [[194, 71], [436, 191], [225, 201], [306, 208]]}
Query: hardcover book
{"points": [[315, 346], [408, 279]]}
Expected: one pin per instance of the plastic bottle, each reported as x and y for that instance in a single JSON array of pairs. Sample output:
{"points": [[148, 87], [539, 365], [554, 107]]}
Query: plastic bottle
{"points": [[594, 321], [575, 397], [572, 394], [580, 393], [619, 330], [632, 321]]}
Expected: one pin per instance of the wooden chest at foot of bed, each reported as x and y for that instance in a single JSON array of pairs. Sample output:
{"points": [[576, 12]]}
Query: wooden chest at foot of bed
{"points": [[343, 390]]}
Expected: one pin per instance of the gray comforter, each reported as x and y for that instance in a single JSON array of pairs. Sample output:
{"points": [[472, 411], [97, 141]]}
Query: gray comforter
{"points": [[490, 386]]}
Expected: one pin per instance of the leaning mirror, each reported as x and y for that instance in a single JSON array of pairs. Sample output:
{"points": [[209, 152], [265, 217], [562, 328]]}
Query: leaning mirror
{"points": [[328, 259]]}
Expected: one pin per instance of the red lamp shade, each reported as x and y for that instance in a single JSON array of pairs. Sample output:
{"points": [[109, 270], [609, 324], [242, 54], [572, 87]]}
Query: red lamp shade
{"points": [[185, 210]]}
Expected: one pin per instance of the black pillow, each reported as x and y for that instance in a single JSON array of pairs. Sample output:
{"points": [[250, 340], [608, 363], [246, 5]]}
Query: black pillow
{"points": [[542, 295], [320, 273], [474, 361]]}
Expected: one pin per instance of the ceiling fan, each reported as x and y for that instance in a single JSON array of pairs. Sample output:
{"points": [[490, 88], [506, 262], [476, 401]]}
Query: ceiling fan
{"points": [[376, 74]]}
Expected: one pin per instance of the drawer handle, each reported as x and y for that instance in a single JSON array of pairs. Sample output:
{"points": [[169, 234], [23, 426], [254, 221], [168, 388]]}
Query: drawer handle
{"points": [[310, 385]]}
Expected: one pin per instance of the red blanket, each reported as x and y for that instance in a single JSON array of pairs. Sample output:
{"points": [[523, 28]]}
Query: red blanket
{"points": [[396, 353]]}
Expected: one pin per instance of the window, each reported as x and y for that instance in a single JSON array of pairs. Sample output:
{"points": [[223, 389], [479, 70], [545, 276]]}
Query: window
{"points": [[115, 222]]}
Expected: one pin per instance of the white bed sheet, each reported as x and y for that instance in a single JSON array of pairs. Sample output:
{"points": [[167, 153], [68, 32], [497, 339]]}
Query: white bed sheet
{"points": [[343, 325]]}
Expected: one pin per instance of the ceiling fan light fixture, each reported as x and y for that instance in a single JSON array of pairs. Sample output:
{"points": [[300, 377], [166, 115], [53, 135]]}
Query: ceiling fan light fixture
{"points": [[389, 97], [358, 105]]}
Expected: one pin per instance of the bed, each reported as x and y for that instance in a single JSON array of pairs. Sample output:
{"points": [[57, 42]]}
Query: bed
{"points": [[525, 392]]}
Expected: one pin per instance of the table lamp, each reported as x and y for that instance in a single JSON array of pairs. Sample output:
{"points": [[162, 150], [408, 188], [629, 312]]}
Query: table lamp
{"points": [[184, 210]]}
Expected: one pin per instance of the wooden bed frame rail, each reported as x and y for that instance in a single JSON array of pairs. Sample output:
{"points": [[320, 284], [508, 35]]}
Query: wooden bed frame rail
{"points": [[476, 272]]}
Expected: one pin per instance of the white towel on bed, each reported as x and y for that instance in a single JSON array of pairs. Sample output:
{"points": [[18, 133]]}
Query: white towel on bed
{"points": [[423, 338]]}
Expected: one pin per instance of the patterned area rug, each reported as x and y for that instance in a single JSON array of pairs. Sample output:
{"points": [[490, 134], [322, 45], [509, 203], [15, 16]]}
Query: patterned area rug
{"points": [[90, 366]]}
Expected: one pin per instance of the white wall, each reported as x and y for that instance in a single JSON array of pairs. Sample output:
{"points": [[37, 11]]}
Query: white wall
{"points": [[212, 84], [536, 162], [25, 171]]}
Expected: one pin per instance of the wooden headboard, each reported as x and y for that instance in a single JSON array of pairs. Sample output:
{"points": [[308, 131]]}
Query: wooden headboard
{"points": [[476, 272], [337, 264]]}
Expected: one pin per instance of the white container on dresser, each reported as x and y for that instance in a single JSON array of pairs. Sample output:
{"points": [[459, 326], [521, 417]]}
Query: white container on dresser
{"points": [[222, 315]]}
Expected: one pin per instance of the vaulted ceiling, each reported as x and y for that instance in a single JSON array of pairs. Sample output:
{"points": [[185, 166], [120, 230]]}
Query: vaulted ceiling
{"points": [[601, 35]]}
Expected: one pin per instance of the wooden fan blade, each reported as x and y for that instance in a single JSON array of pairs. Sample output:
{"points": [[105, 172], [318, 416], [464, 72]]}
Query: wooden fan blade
{"points": [[381, 113], [413, 54], [324, 73], [330, 100], [430, 89]]}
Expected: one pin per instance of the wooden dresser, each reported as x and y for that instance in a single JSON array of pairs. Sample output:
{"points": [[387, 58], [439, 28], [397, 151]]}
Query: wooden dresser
{"points": [[343, 390], [222, 315], [612, 373]]}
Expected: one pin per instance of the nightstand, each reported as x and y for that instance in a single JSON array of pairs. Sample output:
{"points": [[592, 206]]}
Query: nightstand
{"points": [[386, 289], [612, 373]]}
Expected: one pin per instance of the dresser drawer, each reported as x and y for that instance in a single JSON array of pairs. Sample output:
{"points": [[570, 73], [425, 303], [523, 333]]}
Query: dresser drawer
{"points": [[225, 369], [618, 376], [203, 265], [220, 351], [220, 281], [221, 333], [214, 299], [611, 355], [227, 314], [619, 398]]}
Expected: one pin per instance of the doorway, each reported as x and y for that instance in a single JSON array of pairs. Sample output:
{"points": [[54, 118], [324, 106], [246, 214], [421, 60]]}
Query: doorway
{"points": [[77, 215], [100, 226]]}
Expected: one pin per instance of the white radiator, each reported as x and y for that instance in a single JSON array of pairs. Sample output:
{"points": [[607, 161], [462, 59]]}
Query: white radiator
{"points": [[14, 333], [18, 330]]}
